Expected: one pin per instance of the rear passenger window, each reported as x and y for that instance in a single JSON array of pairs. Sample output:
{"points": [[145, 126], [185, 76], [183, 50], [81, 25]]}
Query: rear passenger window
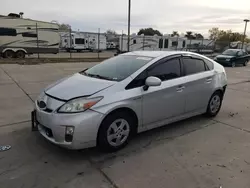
{"points": [[193, 66], [166, 71]]}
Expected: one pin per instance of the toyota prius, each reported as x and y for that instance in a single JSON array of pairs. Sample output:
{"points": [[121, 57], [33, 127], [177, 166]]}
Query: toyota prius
{"points": [[130, 93]]}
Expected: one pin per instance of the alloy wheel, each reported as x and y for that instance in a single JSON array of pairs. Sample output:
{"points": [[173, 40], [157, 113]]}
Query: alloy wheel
{"points": [[118, 132], [215, 104]]}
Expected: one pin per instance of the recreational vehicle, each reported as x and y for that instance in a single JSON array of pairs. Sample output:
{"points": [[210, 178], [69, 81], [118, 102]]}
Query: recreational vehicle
{"points": [[19, 37], [152, 43], [83, 41]]}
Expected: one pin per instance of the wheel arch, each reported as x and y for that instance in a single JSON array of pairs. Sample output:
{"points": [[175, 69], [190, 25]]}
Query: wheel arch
{"points": [[221, 91], [124, 110], [14, 50]]}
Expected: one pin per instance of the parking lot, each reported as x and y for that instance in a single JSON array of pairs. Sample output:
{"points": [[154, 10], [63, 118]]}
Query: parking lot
{"points": [[198, 152]]}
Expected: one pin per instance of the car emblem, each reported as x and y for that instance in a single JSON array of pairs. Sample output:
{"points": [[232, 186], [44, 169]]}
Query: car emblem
{"points": [[42, 105]]}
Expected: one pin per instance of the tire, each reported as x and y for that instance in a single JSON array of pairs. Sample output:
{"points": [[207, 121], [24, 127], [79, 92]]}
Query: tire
{"points": [[20, 54], [115, 131], [245, 63], [214, 104], [233, 64], [9, 54]]}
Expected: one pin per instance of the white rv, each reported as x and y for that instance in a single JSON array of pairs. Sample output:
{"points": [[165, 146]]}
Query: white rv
{"points": [[141, 42], [25, 36], [83, 41]]}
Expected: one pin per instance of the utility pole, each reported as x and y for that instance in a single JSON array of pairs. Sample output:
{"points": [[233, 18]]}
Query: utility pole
{"points": [[244, 36], [129, 14]]}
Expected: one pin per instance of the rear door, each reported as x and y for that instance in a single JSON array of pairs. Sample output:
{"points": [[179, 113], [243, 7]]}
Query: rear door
{"points": [[199, 83]]}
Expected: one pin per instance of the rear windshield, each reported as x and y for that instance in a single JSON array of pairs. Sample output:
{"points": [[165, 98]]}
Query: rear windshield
{"points": [[117, 68]]}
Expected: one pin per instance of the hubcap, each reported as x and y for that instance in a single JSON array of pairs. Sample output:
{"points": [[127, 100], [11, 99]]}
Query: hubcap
{"points": [[215, 104], [233, 64], [118, 132]]}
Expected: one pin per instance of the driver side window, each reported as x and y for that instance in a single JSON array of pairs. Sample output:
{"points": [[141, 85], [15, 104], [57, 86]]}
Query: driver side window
{"points": [[167, 70]]}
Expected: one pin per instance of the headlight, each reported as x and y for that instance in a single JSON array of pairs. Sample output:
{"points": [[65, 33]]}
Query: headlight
{"points": [[79, 105], [228, 59]]}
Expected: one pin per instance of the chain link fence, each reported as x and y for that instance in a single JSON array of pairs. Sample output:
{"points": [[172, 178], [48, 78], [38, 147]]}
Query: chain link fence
{"points": [[75, 45]]}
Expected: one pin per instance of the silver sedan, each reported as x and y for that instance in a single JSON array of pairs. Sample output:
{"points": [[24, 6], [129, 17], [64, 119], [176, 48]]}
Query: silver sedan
{"points": [[107, 104]]}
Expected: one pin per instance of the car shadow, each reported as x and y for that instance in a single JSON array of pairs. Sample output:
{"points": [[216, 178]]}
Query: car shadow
{"points": [[47, 152], [150, 139]]}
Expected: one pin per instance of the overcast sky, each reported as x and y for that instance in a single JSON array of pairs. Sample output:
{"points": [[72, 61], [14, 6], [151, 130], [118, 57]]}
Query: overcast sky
{"points": [[164, 15]]}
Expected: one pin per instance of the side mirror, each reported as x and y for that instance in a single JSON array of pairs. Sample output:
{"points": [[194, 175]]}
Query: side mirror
{"points": [[151, 82]]}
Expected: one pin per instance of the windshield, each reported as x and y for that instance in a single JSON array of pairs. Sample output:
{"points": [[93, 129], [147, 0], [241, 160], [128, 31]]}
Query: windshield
{"points": [[117, 68], [230, 52]]}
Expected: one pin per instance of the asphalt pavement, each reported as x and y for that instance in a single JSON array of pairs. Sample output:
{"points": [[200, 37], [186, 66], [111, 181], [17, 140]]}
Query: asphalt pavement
{"points": [[198, 152]]}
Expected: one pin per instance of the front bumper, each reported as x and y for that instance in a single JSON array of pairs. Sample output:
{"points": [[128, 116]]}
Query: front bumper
{"points": [[52, 126]]}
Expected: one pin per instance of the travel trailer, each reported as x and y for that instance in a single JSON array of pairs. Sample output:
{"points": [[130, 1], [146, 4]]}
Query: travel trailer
{"points": [[83, 41], [19, 37], [152, 43], [238, 45]]}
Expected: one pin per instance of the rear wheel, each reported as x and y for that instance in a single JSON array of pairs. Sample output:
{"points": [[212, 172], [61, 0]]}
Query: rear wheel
{"points": [[214, 104], [9, 54], [20, 54], [115, 131], [245, 63]]}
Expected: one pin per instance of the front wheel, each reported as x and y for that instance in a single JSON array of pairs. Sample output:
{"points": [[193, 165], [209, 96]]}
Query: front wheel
{"points": [[115, 131], [233, 64], [214, 104]]}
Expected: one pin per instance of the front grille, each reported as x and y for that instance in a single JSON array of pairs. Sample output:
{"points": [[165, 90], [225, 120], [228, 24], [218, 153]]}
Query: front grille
{"points": [[221, 59]]}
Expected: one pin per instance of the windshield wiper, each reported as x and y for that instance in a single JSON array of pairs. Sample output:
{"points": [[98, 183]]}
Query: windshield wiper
{"points": [[98, 76]]}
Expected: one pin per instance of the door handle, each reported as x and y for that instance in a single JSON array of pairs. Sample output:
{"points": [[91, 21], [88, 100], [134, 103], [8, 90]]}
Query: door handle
{"points": [[209, 80], [180, 88]]}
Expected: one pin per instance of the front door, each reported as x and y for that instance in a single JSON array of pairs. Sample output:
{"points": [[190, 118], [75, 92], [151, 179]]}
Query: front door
{"points": [[199, 83], [168, 100]]}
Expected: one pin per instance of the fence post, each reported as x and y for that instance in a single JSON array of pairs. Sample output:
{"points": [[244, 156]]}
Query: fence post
{"points": [[121, 42], [190, 44], [37, 42], [202, 45], [143, 42], [177, 43], [70, 43], [98, 43]]}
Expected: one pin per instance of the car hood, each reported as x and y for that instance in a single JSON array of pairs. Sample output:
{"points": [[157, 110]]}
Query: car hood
{"points": [[77, 85], [224, 56]]}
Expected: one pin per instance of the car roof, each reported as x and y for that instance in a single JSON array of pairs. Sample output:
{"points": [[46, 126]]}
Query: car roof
{"points": [[152, 53], [155, 54]]}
